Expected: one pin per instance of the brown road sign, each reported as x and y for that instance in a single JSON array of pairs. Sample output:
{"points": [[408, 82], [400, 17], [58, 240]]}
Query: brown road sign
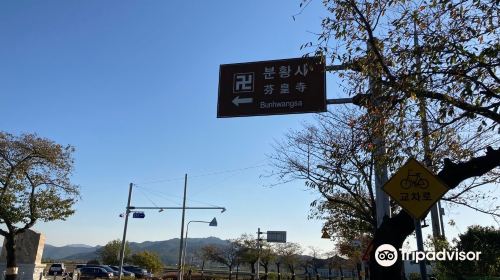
{"points": [[415, 188], [287, 86], [276, 236]]}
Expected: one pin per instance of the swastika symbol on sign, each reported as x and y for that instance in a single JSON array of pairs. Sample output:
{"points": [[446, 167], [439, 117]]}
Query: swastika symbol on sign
{"points": [[243, 82]]}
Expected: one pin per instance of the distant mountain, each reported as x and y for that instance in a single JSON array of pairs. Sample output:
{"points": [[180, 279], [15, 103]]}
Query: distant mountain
{"points": [[79, 245], [59, 253], [168, 250]]}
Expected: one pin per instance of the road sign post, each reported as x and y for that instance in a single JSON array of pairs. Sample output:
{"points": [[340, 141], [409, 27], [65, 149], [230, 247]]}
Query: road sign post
{"points": [[271, 236], [415, 188], [138, 215], [287, 86], [276, 236]]}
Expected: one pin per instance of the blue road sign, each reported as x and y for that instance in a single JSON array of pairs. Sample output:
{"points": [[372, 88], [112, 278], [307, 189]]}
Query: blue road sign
{"points": [[139, 215]]}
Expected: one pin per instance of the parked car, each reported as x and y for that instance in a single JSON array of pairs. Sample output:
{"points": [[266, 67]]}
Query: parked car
{"points": [[138, 271], [57, 269], [93, 272], [124, 271], [78, 266], [106, 267]]}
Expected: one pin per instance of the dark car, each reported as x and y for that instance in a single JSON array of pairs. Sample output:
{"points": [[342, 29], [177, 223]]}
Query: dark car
{"points": [[57, 269], [110, 269], [78, 266], [138, 271], [93, 272], [106, 267], [124, 271]]}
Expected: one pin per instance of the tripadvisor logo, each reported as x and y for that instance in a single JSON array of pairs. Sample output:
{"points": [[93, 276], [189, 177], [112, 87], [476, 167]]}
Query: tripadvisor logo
{"points": [[386, 255]]}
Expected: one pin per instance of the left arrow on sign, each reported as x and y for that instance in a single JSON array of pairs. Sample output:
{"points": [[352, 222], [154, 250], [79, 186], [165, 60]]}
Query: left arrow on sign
{"points": [[237, 101]]}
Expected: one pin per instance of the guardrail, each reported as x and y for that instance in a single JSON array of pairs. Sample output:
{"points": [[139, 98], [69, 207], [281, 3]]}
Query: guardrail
{"points": [[217, 274], [42, 276]]}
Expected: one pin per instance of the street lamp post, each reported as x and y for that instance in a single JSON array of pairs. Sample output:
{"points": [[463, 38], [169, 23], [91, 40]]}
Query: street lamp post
{"points": [[212, 223]]}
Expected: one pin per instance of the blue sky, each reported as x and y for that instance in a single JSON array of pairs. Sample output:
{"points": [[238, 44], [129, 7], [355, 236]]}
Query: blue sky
{"points": [[133, 86]]}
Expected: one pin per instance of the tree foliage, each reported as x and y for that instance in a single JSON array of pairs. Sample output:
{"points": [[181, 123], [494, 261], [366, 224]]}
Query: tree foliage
{"points": [[226, 255], [435, 61], [110, 253], [248, 250], [446, 51], [94, 262], [267, 257], [336, 157], [289, 254], [148, 260], [34, 185], [477, 238], [35, 181], [485, 240]]}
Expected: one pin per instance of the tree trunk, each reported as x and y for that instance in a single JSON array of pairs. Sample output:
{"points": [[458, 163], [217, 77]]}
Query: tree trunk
{"points": [[292, 270], [266, 270], [252, 268], [278, 270], [237, 270], [10, 247], [308, 274], [395, 230], [358, 268], [202, 269]]}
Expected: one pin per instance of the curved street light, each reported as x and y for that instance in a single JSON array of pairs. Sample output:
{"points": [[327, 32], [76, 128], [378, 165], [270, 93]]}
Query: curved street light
{"points": [[212, 223]]}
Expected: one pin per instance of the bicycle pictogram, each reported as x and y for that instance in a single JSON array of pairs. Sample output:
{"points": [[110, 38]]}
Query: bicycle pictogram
{"points": [[414, 180]]}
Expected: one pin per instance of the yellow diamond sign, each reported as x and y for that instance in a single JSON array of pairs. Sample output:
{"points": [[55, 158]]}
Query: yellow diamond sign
{"points": [[415, 188]]}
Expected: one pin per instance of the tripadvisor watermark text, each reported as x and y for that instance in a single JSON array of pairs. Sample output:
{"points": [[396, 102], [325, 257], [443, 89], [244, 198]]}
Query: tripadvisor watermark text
{"points": [[386, 255]]}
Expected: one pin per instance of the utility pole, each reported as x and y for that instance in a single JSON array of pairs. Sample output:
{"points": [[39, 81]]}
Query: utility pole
{"points": [[373, 103], [441, 213], [427, 161], [435, 209], [122, 250], [375, 109], [179, 265], [258, 252], [420, 247]]}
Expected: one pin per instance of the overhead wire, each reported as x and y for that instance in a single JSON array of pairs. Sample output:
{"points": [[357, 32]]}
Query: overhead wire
{"points": [[233, 173], [161, 194], [146, 196], [166, 196], [228, 171], [202, 175]]}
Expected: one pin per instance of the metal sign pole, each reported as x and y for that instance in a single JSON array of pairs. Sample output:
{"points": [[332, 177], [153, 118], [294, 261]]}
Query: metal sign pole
{"points": [[381, 198], [420, 247], [122, 249], [182, 230], [258, 253]]}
